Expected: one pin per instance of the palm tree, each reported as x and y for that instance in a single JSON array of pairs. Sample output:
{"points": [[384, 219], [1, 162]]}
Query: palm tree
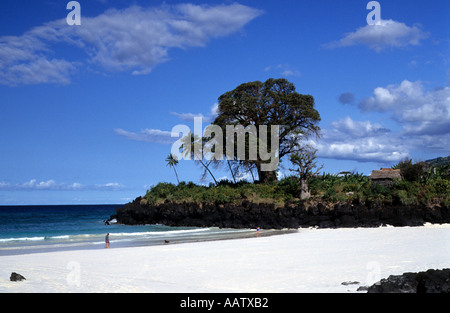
{"points": [[172, 162], [188, 148]]}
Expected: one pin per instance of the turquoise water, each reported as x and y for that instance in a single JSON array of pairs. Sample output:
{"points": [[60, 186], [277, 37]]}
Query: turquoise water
{"points": [[31, 229], [47, 222]]}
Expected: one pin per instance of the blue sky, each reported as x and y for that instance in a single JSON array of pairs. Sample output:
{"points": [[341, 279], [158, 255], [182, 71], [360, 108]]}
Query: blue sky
{"points": [[86, 111]]}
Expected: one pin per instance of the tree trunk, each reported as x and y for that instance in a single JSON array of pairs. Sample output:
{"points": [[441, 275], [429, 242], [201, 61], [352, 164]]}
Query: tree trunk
{"points": [[304, 190], [209, 171], [267, 177], [251, 173], [232, 174], [176, 174]]}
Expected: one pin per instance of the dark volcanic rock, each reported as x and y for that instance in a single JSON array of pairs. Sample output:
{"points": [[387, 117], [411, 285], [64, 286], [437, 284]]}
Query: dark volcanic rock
{"points": [[431, 281], [251, 215], [16, 277], [346, 283]]}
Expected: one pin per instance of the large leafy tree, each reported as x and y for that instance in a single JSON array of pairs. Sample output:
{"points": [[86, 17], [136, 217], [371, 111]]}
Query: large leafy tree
{"points": [[274, 102]]}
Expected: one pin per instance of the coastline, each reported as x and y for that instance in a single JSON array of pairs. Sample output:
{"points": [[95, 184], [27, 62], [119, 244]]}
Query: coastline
{"points": [[247, 214], [308, 260], [129, 240]]}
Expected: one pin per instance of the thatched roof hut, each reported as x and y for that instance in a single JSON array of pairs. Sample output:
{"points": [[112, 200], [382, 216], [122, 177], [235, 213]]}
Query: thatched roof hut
{"points": [[385, 176], [385, 173]]}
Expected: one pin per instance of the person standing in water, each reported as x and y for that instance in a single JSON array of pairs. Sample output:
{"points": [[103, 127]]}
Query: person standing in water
{"points": [[257, 231], [107, 241]]}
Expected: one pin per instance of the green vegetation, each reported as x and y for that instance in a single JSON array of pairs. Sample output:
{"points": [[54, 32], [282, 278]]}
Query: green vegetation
{"points": [[433, 187], [243, 142], [439, 162], [358, 187], [223, 192], [276, 102]]}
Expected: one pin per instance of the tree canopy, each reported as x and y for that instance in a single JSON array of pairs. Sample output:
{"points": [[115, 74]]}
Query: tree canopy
{"points": [[274, 102]]}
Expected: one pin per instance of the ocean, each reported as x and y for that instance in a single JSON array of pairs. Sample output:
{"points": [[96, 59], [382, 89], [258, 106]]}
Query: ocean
{"points": [[34, 229]]}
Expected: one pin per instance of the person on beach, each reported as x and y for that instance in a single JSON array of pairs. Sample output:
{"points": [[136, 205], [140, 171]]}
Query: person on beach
{"points": [[257, 231], [107, 241]]}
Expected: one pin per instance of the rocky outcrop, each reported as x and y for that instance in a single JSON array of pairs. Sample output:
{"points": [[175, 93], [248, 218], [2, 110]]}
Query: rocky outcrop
{"points": [[431, 281], [16, 277], [293, 215]]}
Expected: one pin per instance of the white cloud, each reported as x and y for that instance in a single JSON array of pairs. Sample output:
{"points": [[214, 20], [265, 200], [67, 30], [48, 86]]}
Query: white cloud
{"points": [[287, 73], [189, 117], [23, 62], [423, 118], [392, 96], [33, 184], [37, 71], [387, 33], [52, 185], [148, 135], [356, 128], [197, 23], [75, 186], [283, 70], [165, 137], [418, 111], [4, 185], [361, 141], [109, 186], [214, 111], [134, 39], [378, 149]]}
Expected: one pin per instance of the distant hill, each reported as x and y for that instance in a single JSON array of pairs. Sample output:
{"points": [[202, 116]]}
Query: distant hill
{"points": [[438, 162]]}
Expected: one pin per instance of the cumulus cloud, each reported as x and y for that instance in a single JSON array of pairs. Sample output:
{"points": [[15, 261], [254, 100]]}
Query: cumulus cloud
{"points": [[418, 111], [357, 129], [134, 39], [423, 117], [33, 184], [364, 150], [387, 33], [361, 141]]}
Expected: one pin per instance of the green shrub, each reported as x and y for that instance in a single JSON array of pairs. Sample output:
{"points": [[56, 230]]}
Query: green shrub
{"points": [[441, 186], [404, 198], [290, 186], [327, 187]]}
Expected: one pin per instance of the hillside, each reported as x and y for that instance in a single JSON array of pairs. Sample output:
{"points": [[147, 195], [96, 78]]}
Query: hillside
{"points": [[439, 162]]}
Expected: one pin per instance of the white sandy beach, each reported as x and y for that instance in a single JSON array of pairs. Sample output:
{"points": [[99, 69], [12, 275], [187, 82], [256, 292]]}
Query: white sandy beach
{"points": [[311, 260]]}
